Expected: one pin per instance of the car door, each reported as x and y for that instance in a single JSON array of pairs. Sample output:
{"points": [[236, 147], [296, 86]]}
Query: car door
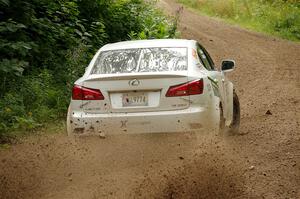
{"points": [[226, 96], [222, 87], [213, 75]]}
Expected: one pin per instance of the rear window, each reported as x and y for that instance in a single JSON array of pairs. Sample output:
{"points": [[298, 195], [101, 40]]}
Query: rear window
{"points": [[141, 60]]}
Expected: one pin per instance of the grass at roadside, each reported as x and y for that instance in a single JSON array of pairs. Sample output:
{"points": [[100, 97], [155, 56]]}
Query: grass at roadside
{"points": [[278, 17], [16, 136]]}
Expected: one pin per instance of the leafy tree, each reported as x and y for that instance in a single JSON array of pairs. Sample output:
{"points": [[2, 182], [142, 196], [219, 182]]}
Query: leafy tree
{"points": [[45, 46]]}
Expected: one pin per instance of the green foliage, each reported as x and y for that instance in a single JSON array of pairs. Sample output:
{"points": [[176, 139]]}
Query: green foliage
{"points": [[45, 46], [276, 17], [152, 27]]}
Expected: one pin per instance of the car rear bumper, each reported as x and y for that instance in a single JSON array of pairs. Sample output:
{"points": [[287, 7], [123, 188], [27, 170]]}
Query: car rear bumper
{"points": [[191, 119]]}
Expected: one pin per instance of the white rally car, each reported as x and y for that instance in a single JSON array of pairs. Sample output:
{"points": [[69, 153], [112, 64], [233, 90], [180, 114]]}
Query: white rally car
{"points": [[148, 86]]}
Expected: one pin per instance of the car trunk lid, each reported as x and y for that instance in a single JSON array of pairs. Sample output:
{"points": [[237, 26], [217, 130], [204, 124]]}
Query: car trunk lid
{"points": [[136, 92]]}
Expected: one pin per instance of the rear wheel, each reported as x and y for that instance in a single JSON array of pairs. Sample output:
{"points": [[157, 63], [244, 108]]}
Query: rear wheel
{"points": [[233, 128]]}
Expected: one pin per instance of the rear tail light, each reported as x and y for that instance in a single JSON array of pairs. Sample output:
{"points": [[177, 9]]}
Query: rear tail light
{"points": [[82, 93], [186, 89]]}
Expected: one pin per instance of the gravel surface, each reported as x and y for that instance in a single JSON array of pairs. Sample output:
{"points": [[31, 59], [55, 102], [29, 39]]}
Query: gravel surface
{"points": [[263, 161]]}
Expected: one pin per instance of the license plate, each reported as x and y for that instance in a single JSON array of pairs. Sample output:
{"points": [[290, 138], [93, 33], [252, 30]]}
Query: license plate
{"points": [[135, 99]]}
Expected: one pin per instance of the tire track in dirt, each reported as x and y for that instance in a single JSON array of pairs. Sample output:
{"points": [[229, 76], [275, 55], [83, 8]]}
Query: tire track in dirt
{"points": [[142, 166]]}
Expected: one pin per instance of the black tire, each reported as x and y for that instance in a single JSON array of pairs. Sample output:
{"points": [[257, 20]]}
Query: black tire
{"points": [[235, 124], [222, 119]]}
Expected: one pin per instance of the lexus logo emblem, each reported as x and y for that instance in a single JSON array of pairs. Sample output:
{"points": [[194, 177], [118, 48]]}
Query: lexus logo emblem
{"points": [[134, 82]]}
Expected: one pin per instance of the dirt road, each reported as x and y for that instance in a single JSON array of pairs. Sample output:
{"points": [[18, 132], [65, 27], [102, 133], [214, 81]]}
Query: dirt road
{"points": [[262, 162]]}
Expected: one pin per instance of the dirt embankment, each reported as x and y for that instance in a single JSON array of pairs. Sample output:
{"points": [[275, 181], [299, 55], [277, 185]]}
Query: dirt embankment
{"points": [[262, 162]]}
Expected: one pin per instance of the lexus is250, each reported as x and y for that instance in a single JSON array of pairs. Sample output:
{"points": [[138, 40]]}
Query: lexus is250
{"points": [[152, 86]]}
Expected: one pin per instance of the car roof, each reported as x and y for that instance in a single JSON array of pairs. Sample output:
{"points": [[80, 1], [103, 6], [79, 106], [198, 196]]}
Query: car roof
{"points": [[151, 43]]}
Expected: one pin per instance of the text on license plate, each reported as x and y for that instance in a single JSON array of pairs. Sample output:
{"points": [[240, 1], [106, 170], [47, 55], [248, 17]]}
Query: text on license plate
{"points": [[135, 99]]}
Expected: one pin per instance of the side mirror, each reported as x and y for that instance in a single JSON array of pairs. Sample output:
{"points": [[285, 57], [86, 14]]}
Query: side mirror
{"points": [[228, 65]]}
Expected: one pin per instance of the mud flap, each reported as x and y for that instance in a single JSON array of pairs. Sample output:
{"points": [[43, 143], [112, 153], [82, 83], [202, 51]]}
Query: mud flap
{"points": [[69, 128], [226, 93]]}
